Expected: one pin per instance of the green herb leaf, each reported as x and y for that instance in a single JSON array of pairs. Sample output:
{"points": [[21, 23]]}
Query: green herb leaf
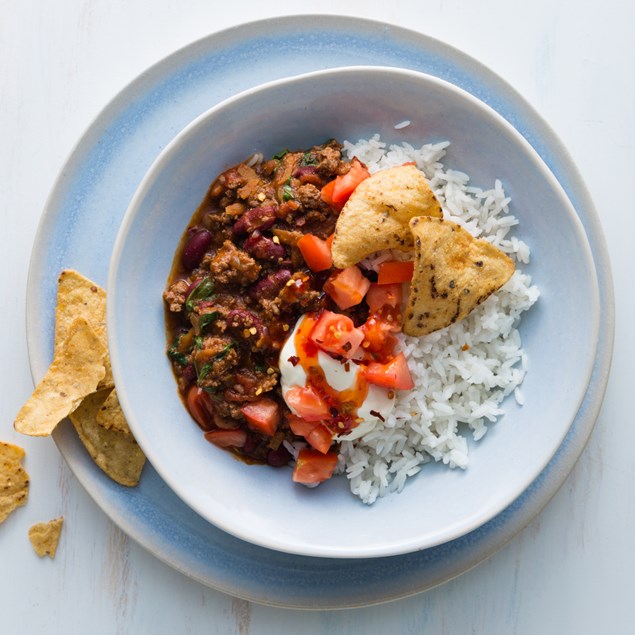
{"points": [[206, 319], [198, 342], [202, 291], [224, 352], [204, 371], [308, 159], [287, 193], [280, 154], [207, 367], [177, 357]]}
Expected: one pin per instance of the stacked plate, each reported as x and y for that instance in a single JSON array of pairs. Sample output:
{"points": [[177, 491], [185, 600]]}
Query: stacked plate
{"points": [[79, 228]]}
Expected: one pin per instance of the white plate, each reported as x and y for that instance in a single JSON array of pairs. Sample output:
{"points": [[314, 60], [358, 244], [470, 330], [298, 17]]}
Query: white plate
{"points": [[78, 229]]}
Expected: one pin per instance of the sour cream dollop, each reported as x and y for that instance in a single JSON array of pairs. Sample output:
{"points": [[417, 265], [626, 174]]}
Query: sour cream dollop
{"points": [[299, 361]]}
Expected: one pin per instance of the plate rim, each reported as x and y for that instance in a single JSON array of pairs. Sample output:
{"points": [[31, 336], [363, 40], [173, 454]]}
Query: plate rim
{"points": [[593, 398]]}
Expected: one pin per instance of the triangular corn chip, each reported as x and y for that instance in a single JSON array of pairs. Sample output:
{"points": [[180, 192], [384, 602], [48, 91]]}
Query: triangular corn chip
{"points": [[115, 452], [454, 272], [110, 415], [77, 369], [14, 481], [77, 296], [45, 536], [377, 213]]}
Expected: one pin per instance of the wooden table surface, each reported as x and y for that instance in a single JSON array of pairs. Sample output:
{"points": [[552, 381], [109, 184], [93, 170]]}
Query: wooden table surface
{"points": [[569, 571]]}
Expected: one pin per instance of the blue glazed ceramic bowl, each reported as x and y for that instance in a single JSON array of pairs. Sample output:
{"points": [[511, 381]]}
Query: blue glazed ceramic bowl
{"points": [[261, 504]]}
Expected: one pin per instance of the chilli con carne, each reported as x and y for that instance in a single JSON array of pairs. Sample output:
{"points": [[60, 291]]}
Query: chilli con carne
{"points": [[255, 258]]}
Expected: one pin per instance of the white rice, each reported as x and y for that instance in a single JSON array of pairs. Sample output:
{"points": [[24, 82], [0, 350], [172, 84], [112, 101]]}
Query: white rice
{"points": [[461, 373]]}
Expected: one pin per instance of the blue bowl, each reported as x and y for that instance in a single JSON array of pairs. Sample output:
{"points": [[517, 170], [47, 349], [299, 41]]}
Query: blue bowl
{"points": [[261, 504]]}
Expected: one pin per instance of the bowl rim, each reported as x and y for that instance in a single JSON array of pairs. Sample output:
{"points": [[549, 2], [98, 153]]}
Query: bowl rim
{"points": [[457, 530]]}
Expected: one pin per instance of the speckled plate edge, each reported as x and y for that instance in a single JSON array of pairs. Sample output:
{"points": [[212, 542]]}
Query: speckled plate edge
{"points": [[201, 551]]}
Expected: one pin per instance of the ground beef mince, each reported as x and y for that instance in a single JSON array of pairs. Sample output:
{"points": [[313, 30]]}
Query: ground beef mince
{"points": [[237, 287]]}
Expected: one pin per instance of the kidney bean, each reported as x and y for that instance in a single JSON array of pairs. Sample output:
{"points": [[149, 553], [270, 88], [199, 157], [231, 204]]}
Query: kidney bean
{"points": [[262, 247], [195, 248], [279, 457], [269, 286], [244, 319], [308, 174], [303, 170], [255, 218], [189, 374], [250, 445]]}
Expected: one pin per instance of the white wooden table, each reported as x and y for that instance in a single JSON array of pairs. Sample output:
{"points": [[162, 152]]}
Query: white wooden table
{"points": [[569, 571]]}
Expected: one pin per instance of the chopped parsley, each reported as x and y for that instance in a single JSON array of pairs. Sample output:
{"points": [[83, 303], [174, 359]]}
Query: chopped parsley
{"points": [[202, 291]]}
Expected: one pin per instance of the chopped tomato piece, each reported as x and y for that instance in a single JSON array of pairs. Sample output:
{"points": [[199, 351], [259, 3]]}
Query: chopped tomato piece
{"points": [[227, 438], [329, 241], [395, 271], [299, 426], [337, 192], [326, 194], [347, 287], [316, 252], [316, 434], [306, 403], [384, 295], [320, 438], [345, 185], [394, 374], [384, 301], [263, 415], [200, 406], [336, 333], [313, 467], [377, 335]]}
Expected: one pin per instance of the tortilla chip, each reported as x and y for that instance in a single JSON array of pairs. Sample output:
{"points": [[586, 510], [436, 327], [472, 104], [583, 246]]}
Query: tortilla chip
{"points": [[376, 215], [14, 481], [110, 415], [45, 536], [115, 452], [454, 272], [77, 296], [77, 369]]}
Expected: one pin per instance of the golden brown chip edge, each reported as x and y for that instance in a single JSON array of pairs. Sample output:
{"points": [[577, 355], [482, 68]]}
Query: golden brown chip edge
{"points": [[376, 215], [431, 294]]}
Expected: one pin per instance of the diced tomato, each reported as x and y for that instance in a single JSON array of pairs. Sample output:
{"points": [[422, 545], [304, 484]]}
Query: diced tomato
{"points": [[345, 185], [337, 192], [306, 403], [329, 241], [377, 335], [299, 426], [262, 415], [384, 295], [393, 271], [227, 438], [313, 467], [316, 252], [394, 374], [347, 287], [200, 406], [336, 333], [320, 438], [326, 194], [384, 302]]}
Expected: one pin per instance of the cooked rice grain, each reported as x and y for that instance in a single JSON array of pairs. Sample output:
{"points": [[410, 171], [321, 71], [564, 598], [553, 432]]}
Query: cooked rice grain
{"points": [[461, 373]]}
